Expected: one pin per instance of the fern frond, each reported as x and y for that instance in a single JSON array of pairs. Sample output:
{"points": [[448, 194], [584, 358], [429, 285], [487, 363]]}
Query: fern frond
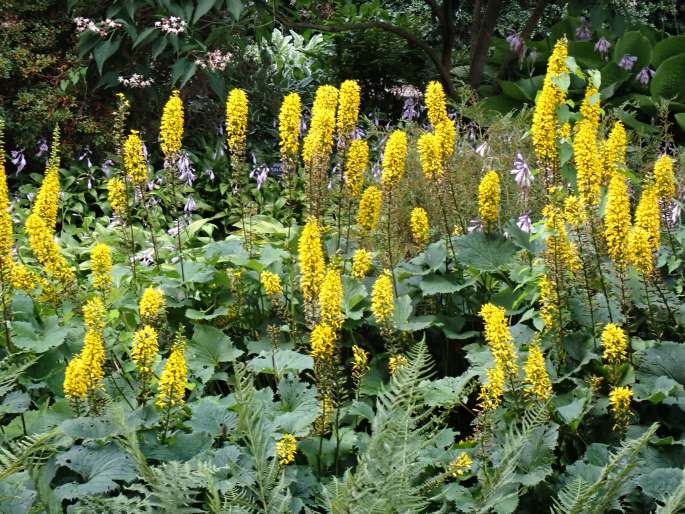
{"points": [[25, 452], [12, 367]]}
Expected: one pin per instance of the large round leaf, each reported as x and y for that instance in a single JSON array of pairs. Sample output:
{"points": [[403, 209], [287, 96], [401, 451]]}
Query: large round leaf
{"points": [[666, 48], [634, 43], [669, 80]]}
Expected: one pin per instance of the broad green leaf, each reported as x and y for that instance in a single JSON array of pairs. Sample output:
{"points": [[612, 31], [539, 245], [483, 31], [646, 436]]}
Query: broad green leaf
{"points": [[235, 7], [38, 339], [88, 428], [104, 51], [285, 360], [208, 348], [211, 415], [484, 252], [438, 284], [447, 391], [660, 482], [100, 467], [203, 7]]}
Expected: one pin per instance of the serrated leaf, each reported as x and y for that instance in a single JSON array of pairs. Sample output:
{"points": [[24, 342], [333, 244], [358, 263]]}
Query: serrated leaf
{"points": [[100, 467], [211, 415], [446, 391], [286, 360], [438, 284], [88, 428], [38, 339], [208, 348], [660, 482], [484, 252]]}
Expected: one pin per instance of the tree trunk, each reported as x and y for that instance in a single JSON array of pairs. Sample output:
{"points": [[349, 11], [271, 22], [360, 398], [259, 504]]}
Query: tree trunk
{"points": [[480, 45]]}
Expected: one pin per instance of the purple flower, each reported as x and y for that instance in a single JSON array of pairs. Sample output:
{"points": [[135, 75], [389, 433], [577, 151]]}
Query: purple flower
{"points": [[42, 146], [645, 75], [524, 223], [18, 159], [584, 32], [185, 169], [521, 172], [190, 205], [627, 62], [482, 149], [86, 155], [516, 44], [602, 47], [410, 109], [260, 173], [210, 173], [106, 166]]}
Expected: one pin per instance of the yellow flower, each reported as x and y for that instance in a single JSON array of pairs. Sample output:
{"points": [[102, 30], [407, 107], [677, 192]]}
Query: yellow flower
{"points": [[617, 219], [6, 223], [355, 166], [369, 208], [430, 154], [396, 362], [564, 131], [490, 394], [331, 300], [549, 301], [23, 278], [144, 349], [574, 212], [590, 107], [619, 400], [446, 133], [93, 352], [318, 143], [546, 104], [311, 259], [322, 342], [648, 216], [537, 378], [435, 102], [639, 251], [614, 151], [75, 379], [615, 343], [488, 198], [236, 123], [101, 266], [171, 126], [152, 305], [134, 159], [382, 298], [419, 226], [174, 379], [361, 263], [559, 247], [271, 283], [94, 314], [460, 465], [348, 107], [360, 362], [664, 179], [289, 126], [499, 339], [286, 449], [394, 159], [117, 197], [588, 163]]}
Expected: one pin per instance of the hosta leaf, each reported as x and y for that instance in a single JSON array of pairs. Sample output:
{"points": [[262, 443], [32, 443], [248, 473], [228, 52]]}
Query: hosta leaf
{"points": [[484, 252], [100, 467]]}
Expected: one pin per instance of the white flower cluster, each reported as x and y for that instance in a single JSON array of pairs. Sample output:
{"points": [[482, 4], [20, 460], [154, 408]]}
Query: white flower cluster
{"points": [[136, 80], [102, 28], [171, 25], [215, 60]]}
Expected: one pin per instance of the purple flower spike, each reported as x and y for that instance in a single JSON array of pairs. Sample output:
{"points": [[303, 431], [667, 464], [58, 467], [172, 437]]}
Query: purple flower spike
{"points": [[602, 47], [524, 223], [645, 75], [584, 32], [627, 62], [521, 172]]}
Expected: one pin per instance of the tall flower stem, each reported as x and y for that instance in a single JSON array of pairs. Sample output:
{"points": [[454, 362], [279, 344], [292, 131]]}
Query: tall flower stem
{"points": [[650, 313], [599, 269], [6, 314], [391, 261], [587, 289]]}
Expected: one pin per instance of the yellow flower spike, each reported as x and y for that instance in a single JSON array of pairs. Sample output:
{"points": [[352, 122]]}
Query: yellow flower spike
{"points": [[619, 405], [331, 300], [348, 108], [435, 102], [289, 126], [360, 362], [101, 267], [318, 143], [369, 208], [236, 123], [639, 252], [322, 342], [648, 216], [490, 394], [498, 338], [271, 283], [361, 263], [430, 154], [446, 132], [171, 125], [23, 278], [117, 197], [615, 343], [396, 362], [574, 212], [144, 349], [537, 378], [286, 449], [355, 166], [489, 198], [590, 107], [174, 380], [382, 298], [544, 126], [558, 244], [549, 301], [617, 220], [6, 223], [588, 163], [75, 380], [420, 226], [394, 159], [152, 305], [614, 151], [311, 260], [135, 164], [664, 178], [460, 465]]}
